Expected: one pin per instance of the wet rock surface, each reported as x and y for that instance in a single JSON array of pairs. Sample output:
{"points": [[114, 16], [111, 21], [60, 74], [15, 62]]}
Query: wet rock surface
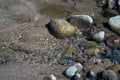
{"points": [[28, 51]]}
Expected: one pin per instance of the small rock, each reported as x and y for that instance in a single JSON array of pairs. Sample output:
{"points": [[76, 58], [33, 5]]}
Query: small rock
{"points": [[106, 63], [110, 13], [95, 70], [78, 76], [81, 21], [92, 51], [88, 44], [71, 71], [111, 3], [92, 73], [101, 3], [109, 75], [61, 28], [52, 77], [99, 36], [114, 23], [116, 69], [99, 19], [78, 66], [113, 41]]}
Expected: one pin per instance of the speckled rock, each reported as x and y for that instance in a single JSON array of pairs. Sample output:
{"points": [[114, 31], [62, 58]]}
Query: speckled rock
{"points": [[81, 21], [109, 75], [113, 41], [114, 22], [92, 51], [106, 63], [61, 28], [116, 69]]}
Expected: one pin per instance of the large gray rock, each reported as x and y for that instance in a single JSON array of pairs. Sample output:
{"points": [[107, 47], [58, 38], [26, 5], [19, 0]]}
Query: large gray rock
{"points": [[114, 23]]}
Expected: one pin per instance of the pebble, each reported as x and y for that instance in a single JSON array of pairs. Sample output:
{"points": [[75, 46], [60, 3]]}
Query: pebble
{"points": [[92, 51], [116, 69], [78, 66], [53, 77], [109, 75], [50, 77], [114, 23], [70, 72], [88, 44], [113, 41], [92, 73], [78, 76], [99, 36], [95, 70], [110, 13], [111, 3], [101, 3], [99, 19]]}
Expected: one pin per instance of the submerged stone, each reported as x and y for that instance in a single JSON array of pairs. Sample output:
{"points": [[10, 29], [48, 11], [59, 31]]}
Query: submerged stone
{"points": [[116, 69], [113, 41], [110, 13], [114, 23], [99, 36], [99, 19], [109, 75], [70, 72], [61, 28], [81, 21], [88, 44]]}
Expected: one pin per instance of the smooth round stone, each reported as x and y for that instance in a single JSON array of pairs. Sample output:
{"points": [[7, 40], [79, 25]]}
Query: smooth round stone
{"points": [[99, 36], [70, 72], [61, 28], [92, 73], [81, 21], [52, 77], [78, 76], [114, 22]]}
